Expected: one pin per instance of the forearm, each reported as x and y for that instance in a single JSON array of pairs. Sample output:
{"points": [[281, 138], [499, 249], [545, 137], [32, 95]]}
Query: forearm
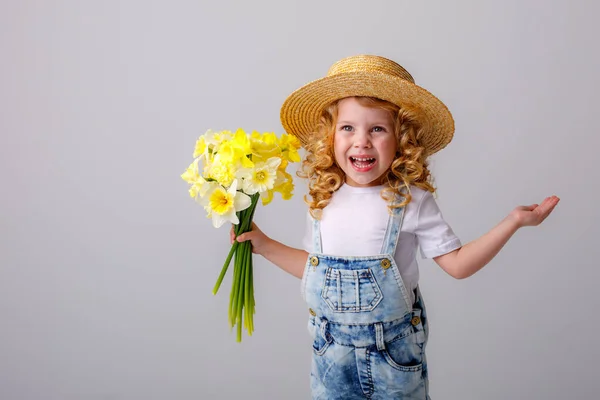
{"points": [[473, 256], [287, 258]]}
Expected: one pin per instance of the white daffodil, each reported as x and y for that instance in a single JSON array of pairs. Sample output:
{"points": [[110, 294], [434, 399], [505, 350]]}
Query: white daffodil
{"points": [[222, 205], [260, 178]]}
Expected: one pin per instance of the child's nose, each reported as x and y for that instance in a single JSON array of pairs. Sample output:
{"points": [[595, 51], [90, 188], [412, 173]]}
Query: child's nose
{"points": [[361, 140]]}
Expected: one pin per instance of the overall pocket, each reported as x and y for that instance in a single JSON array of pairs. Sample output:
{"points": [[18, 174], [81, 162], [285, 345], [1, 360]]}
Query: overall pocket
{"points": [[321, 338], [401, 368], [405, 352], [351, 290]]}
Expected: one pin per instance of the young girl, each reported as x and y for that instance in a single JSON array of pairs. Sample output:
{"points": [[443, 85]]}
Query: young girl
{"points": [[368, 131]]}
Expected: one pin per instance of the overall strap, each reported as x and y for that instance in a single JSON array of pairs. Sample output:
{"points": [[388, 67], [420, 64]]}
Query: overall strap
{"points": [[316, 234], [392, 232]]}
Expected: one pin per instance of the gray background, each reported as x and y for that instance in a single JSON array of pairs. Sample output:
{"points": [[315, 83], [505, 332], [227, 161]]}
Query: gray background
{"points": [[107, 265]]}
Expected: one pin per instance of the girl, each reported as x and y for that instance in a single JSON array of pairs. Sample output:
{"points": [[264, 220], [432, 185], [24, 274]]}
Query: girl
{"points": [[368, 131]]}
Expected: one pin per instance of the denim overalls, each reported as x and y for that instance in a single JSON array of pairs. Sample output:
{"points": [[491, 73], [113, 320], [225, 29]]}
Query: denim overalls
{"points": [[369, 341]]}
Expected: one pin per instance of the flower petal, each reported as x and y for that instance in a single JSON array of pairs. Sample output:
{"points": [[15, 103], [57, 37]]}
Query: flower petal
{"points": [[233, 188], [241, 201], [273, 162], [249, 187], [219, 220], [266, 197]]}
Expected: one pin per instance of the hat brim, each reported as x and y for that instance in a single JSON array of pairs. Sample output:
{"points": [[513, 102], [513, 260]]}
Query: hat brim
{"points": [[302, 109]]}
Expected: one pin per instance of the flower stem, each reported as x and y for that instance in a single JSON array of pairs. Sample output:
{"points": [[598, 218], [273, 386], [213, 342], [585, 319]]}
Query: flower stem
{"points": [[240, 292], [235, 287], [225, 267], [248, 291], [241, 298]]}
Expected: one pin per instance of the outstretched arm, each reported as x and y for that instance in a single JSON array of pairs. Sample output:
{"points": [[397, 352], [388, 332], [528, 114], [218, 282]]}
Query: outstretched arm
{"points": [[473, 256], [287, 258]]}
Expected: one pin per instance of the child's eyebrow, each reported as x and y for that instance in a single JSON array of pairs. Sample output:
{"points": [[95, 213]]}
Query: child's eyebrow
{"points": [[372, 123], [381, 123]]}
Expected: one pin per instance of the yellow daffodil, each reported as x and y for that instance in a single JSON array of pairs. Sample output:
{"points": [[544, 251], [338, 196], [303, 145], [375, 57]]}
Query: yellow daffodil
{"points": [[221, 170], [261, 177], [266, 197], [286, 189], [243, 147], [289, 147], [269, 138], [198, 184], [284, 185], [223, 204], [237, 149], [264, 146], [191, 173], [214, 139], [226, 152], [201, 147]]}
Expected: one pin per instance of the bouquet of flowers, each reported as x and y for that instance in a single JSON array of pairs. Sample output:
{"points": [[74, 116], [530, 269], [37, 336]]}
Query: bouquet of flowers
{"points": [[238, 169]]}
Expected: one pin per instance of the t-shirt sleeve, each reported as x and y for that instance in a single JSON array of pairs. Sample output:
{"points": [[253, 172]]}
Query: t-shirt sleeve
{"points": [[307, 241], [433, 233]]}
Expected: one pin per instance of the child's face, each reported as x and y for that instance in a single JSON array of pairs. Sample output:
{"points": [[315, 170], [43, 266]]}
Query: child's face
{"points": [[364, 142]]}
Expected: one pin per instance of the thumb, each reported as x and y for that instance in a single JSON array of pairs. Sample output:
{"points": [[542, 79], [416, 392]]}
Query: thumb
{"points": [[529, 208], [244, 237]]}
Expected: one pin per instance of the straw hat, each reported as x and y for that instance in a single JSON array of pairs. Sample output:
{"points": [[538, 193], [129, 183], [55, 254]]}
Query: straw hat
{"points": [[373, 76]]}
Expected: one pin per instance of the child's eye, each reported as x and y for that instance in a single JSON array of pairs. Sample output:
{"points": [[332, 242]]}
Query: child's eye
{"points": [[378, 129], [346, 128]]}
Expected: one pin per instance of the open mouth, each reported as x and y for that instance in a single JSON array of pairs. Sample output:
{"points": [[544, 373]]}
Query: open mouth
{"points": [[362, 163]]}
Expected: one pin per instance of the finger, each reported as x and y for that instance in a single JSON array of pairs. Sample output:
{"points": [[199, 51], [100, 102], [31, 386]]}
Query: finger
{"points": [[244, 237], [552, 203], [549, 210], [547, 206], [232, 235], [548, 203]]}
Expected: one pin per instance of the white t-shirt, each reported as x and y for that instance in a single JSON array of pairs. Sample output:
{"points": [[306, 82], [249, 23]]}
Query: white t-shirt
{"points": [[355, 221]]}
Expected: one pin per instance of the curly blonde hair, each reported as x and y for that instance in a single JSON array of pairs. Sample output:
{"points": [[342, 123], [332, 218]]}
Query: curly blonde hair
{"points": [[408, 168]]}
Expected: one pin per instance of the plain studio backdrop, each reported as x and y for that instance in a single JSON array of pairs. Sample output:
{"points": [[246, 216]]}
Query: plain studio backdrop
{"points": [[107, 265]]}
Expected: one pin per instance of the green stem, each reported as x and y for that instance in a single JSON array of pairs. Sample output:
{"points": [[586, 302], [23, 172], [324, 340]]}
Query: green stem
{"points": [[241, 298], [251, 300], [225, 267], [240, 294], [248, 289], [234, 288], [246, 219]]}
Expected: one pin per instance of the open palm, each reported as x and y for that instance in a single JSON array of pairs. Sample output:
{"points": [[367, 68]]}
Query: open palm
{"points": [[534, 214]]}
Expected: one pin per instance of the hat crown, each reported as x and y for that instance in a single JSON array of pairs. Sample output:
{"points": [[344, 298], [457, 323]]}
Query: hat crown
{"points": [[370, 64]]}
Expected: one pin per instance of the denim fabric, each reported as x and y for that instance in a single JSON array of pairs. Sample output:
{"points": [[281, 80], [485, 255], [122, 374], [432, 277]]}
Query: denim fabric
{"points": [[368, 340]]}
